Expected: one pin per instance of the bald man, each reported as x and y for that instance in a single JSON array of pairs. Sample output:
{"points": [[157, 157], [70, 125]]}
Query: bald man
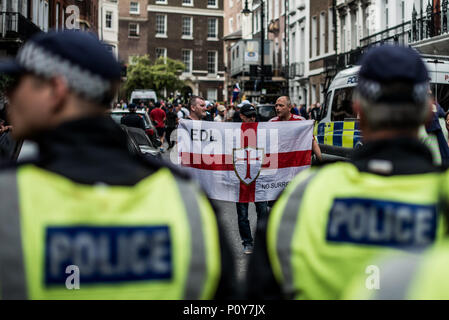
{"points": [[283, 107]]}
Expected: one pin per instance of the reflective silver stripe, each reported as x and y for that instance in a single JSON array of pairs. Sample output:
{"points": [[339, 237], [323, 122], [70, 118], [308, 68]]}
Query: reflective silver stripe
{"points": [[285, 235], [197, 273], [12, 270], [395, 277]]}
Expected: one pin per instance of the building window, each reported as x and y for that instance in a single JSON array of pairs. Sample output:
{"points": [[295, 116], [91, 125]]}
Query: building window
{"points": [[63, 19], [57, 16], [212, 28], [231, 3], [212, 3], [212, 62], [322, 32], [187, 26], [231, 30], [108, 20], [330, 33], [212, 94], [134, 8], [133, 30], [314, 37], [187, 2], [187, 60], [161, 25], [161, 1], [161, 52]]}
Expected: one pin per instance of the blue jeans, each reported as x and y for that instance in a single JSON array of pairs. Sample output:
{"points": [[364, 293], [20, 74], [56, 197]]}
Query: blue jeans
{"points": [[242, 214]]}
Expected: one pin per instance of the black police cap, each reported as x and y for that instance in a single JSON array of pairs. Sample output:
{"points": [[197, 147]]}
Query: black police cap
{"points": [[387, 65], [79, 56]]}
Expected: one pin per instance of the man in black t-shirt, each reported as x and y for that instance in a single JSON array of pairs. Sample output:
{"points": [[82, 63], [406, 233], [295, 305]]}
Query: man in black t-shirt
{"points": [[133, 119]]}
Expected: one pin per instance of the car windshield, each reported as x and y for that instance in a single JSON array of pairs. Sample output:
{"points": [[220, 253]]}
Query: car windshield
{"points": [[267, 111], [117, 117]]}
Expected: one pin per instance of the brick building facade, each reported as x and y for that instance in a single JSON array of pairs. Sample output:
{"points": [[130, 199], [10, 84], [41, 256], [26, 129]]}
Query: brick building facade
{"points": [[322, 45], [187, 30]]}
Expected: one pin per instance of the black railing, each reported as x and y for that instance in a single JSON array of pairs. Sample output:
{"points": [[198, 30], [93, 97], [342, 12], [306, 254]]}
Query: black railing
{"points": [[400, 34], [15, 25], [432, 23]]}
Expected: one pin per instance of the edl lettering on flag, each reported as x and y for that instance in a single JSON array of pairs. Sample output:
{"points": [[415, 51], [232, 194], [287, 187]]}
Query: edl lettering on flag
{"points": [[244, 162]]}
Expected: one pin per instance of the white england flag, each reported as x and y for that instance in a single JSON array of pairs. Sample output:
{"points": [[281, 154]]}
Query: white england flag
{"points": [[244, 162]]}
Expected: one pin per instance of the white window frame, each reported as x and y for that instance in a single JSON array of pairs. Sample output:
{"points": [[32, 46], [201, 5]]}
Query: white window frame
{"points": [[230, 25], [322, 33], [58, 6], [138, 8], [162, 35], [212, 6], [137, 30], [231, 3], [216, 62], [187, 37], [187, 4], [190, 58], [330, 30], [161, 2], [106, 20], [165, 52], [314, 37], [214, 38]]}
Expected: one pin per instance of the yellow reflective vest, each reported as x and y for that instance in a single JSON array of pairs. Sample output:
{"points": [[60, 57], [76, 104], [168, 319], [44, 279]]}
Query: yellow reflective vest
{"points": [[330, 222], [64, 240]]}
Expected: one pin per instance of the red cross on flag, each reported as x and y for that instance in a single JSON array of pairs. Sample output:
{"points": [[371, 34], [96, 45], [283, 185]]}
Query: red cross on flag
{"points": [[244, 162]]}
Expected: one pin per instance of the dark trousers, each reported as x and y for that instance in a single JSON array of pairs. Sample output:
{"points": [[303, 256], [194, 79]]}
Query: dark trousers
{"points": [[168, 132], [242, 215]]}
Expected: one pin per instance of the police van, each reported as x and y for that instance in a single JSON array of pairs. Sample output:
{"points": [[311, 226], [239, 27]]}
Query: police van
{"points": [[338, 132]]}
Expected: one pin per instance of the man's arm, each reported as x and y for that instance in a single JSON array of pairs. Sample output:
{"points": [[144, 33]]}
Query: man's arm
{"points": [[316, 150]]}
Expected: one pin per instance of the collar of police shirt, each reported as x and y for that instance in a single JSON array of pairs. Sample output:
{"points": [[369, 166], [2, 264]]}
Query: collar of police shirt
{"points": [[399, 156]]}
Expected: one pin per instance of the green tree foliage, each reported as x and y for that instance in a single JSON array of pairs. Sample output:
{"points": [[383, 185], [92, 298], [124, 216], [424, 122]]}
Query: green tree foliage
{"points": [[163, 73]]}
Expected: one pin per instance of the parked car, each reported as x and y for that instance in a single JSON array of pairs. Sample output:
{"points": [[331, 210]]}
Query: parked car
{"points": [[150, 130], [265, 112], [139, 143]]}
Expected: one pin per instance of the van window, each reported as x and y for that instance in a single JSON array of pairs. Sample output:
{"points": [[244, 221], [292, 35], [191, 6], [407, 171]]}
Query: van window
{"points": [[342, 105], [326, 105]]}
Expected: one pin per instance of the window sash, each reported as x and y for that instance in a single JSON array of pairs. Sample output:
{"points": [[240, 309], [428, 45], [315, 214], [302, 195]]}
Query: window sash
{"points": [[186, 59], [187, 26], [134, 7], [212, 28], [212, 62], [160, 24]]}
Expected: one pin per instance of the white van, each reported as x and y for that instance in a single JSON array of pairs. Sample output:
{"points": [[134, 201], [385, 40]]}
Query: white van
{"points": [[338, 130], [143, 95]]}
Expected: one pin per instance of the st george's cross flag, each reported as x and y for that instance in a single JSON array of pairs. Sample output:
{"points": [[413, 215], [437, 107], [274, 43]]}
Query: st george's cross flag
{"points": [[244, 162]]}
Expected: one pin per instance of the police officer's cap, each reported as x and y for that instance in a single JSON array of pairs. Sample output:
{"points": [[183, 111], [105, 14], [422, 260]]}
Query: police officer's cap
{"points": [[393, 74], [89, 68], [248, 110]]}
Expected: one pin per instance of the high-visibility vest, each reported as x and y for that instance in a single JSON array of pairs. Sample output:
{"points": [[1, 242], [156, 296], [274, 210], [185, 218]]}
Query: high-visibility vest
{"points": [[413, 276], [113, 242], [330, 222]]}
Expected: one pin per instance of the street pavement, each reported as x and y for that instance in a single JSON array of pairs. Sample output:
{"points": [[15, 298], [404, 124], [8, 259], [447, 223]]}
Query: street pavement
{"points": [[228, 216]]}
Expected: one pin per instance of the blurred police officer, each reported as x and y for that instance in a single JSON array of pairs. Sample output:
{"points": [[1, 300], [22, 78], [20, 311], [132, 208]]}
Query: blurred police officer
{"points": [[331, 221], [132, 119], [88, 214]]}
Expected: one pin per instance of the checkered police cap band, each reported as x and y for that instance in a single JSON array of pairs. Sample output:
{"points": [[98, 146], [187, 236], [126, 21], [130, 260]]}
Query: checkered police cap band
{"points": [[377, 92], [42, 62]]}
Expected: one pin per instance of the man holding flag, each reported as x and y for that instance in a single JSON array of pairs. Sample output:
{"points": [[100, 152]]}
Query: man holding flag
{"points": [[248, 114]]}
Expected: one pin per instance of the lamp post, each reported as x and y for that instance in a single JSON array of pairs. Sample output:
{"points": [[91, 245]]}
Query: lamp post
{"points": [[246, 12]]}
